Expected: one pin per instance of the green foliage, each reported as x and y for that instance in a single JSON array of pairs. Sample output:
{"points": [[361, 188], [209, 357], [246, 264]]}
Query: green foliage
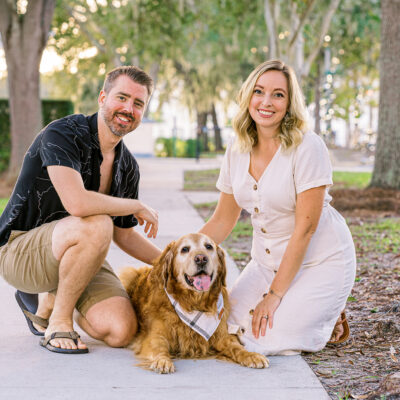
{"points": [[200, 52], [95, 37], [51, 110], [355, 43], [5, 138], [55, 109]]}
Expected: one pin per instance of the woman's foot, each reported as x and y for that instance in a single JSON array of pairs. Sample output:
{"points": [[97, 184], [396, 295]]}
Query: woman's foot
{"points": [[341, 331]]}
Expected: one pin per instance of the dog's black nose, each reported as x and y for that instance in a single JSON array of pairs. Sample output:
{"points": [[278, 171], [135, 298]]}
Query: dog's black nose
{"points": [[201, 260]]}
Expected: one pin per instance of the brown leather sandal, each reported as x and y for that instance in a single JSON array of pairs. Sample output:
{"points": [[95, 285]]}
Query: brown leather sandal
{"points": [[45, 342], [346, 329]]}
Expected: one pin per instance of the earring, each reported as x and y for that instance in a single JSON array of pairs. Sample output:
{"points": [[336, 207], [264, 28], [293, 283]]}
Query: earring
{"points": [[287, 120]]}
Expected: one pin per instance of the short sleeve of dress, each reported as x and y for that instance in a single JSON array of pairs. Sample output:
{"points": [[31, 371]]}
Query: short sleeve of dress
{"points": [[224, 183], [59, 146], [312, 165]]}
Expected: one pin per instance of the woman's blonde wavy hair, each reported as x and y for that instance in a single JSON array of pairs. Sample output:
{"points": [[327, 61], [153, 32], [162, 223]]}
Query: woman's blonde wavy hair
{"points": [[294, 124]]}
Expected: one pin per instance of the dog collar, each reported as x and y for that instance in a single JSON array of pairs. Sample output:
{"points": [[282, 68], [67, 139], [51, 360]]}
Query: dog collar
{"points": [[202, 323]]}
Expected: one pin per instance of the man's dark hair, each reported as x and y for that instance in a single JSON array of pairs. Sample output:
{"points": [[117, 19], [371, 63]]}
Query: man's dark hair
{"points": [[135, 73]]}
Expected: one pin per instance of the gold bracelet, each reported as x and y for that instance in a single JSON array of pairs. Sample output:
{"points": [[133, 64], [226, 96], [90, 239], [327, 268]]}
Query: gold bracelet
{"points": [[273, 293]]}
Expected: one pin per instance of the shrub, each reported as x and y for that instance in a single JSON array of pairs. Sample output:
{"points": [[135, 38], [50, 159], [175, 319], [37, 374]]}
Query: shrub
{"points": [[51, 110], [173, 147]]}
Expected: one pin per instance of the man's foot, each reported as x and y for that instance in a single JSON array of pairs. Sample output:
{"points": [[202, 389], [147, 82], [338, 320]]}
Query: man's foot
{"points": [[35, 317], [45, 342], [66, 342], [44, 310]]}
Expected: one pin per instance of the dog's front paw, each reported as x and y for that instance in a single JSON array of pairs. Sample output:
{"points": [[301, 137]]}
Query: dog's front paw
{"points": [[253, 360], [163, 366]]}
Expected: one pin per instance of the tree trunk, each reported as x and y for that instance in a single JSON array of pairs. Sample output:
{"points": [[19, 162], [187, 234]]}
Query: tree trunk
{"points": [[272, 31], [317, 111], [154, 70], [387, 166], [217, 130], [202, 133], [349, 138], [24, 38]]}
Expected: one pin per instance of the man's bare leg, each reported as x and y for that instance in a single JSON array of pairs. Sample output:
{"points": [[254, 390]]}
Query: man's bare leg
{"points": [[45, 308], [81, 245], [112, 320]]}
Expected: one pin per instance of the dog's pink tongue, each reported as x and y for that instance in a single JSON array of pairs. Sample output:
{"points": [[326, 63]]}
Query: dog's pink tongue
{"points": [[202, 282]]}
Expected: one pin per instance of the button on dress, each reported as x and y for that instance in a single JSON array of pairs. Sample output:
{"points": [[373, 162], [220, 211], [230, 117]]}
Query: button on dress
{"points": [[307, 314]]}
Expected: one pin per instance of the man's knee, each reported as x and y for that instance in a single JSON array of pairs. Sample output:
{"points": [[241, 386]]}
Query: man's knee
{"points": [[121, 333], [93, 232], [113, 320], [98, 228]]}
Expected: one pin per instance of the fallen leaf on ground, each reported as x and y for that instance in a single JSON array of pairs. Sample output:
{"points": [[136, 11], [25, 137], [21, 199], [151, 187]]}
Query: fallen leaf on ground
{"points": [[392, 353]]}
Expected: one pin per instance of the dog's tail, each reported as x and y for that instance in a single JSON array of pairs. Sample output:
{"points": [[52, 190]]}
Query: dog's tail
{"points": [[128, 277]]}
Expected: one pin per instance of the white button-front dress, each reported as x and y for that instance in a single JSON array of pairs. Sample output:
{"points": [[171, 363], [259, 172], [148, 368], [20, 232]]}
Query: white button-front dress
{"points": [[307, 314]]}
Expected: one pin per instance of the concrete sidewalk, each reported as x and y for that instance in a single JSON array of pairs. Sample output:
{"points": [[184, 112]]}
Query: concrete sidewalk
{"points": [[29, 371]]}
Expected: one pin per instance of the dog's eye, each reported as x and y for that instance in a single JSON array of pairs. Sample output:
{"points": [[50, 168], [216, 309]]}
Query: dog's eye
{"points": [[185, 249], [208, 246]]}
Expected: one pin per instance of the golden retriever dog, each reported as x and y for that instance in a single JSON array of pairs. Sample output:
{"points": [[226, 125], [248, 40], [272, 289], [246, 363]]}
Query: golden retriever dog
{"points": [[187, 279]]}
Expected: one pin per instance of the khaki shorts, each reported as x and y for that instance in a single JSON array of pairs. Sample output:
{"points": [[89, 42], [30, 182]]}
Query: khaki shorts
{"points": [[27, 263]]}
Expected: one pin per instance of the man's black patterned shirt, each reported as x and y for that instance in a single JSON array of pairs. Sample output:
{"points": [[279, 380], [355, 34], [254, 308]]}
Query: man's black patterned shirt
{"points": [[71, 142]]}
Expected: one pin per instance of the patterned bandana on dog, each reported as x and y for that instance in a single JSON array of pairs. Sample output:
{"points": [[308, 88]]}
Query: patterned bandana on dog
{"points": [[205, 325]]}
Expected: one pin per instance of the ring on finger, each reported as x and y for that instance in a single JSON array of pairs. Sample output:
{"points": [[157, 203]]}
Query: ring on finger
{"points": [[265, 317]]}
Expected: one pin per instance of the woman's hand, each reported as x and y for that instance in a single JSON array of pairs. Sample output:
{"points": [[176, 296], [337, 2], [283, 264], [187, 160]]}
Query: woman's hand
{"points": [[150, 216], [265, 308]]}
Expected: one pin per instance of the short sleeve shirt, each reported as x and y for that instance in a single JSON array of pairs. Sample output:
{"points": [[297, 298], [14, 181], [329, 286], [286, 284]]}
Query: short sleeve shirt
{"points": [[271, 201], [71, 142]]}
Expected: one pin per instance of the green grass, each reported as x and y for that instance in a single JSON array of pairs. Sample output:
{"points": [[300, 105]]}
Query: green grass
{"points": [[242, 229], [201, 180], [3, 203], [206, 179], [382, 236], [237, 255], [359, 180], [211, 204]]}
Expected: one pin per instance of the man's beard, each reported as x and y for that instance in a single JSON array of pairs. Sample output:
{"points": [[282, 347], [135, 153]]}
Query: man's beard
{"points": [[115, 128]]}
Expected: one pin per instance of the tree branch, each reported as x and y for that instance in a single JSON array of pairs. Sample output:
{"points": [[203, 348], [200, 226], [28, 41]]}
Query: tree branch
{"points": [[303, 20], [86, 31], [5, 18], [324, 30], [48, 12], [273, 37]]}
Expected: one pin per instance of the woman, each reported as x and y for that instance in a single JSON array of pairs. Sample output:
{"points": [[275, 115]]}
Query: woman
{"points": [[303, 264]]}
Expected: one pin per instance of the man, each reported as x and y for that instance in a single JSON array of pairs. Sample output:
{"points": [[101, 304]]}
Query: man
{"points": [[77, 191]]}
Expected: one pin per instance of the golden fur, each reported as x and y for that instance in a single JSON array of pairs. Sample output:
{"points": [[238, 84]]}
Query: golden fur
{"points": [[162, 335]]}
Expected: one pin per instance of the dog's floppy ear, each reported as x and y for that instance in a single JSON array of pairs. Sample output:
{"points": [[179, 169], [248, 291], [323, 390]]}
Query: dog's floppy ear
{"points": [[222, 266], [163, 264]]}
